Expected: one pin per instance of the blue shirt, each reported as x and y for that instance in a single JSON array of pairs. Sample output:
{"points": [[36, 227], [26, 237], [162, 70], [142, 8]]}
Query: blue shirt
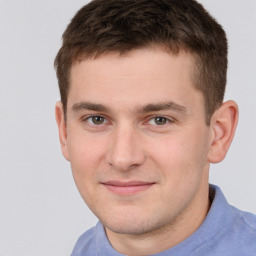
{"points": [[226, 231]]}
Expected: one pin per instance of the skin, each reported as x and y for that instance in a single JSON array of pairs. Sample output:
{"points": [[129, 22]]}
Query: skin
{"points": [[139, 146]]}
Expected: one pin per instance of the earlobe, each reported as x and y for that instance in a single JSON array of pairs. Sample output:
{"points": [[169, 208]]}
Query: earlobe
{"points": [[223, 126], [60, 119]]}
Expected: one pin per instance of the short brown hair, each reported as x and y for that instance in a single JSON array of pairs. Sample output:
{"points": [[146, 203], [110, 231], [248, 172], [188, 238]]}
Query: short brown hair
{"points": [[123, 25]]}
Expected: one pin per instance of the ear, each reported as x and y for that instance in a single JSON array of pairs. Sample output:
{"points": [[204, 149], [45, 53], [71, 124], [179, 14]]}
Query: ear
{"points": [[223, 125], [60, 119]]}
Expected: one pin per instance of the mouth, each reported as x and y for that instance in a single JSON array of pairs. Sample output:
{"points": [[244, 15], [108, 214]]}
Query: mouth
{"points": [[127, 188]]}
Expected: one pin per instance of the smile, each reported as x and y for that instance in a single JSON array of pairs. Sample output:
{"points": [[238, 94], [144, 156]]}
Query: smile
{"points": [[127, 188]]}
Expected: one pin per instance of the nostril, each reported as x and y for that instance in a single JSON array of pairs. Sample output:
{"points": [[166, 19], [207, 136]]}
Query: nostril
{"points": [[126, 161]]}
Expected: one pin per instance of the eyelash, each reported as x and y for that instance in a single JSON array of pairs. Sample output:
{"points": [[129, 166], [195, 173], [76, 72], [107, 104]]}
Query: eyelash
{"points": [[86, 119], [165, 119]]}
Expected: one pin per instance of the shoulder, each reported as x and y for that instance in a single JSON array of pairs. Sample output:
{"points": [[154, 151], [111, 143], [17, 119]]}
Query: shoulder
{"points": [[245, 221], [242, 233], [229, 231], [86, 243], [239, 234]]}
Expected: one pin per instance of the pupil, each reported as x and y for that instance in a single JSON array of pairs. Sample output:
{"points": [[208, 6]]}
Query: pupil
{"points": [[160, 120], [97, 120]]}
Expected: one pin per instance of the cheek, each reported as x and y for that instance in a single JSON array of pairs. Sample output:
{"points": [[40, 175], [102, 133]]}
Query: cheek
{"points": [[86, 154], [181, 157], [183, 167], [84, 149]]}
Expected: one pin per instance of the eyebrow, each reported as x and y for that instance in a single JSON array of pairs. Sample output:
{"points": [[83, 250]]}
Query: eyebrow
{"points": [[144, 109], [162, 106], [89, 106]]}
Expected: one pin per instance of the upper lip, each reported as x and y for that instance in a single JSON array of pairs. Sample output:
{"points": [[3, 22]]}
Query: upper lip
{"points": [[127, 183]]}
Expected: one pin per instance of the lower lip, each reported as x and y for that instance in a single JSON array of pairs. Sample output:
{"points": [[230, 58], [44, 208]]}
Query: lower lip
{"points": [[127, 190]]}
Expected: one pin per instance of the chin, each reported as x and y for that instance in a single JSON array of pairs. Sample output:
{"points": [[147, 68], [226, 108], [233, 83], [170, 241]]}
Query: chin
{"points": [[134, 226]]}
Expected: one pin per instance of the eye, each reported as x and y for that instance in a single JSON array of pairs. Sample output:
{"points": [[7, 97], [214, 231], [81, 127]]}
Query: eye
{"points": [[159, 120], [96, 120]]}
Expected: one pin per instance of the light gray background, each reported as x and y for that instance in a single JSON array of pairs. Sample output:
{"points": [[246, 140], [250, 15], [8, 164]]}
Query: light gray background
{"points": [[41, 212]]}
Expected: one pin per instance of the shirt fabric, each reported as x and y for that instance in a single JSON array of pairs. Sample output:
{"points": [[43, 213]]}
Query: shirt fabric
{"points": [[226, 231]]}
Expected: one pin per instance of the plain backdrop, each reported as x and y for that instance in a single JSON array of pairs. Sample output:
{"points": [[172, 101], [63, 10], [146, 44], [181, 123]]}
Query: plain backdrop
{"points": [[41, 212]]}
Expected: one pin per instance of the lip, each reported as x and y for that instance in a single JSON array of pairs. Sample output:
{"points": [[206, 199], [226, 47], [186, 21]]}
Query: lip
{"points": [[127, 188]]}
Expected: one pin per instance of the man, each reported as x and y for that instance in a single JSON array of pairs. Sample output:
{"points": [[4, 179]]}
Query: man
{"points": [[141, 118]]}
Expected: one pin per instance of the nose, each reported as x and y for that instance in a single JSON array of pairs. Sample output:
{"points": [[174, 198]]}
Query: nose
{"points": [[125, 150]]}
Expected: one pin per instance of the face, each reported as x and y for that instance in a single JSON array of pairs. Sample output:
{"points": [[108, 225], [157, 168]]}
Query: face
{"points": [[137, 140]]}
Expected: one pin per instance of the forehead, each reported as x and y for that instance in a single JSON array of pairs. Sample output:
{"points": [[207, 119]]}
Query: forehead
{"points": [[140, 76], [152, 58]]}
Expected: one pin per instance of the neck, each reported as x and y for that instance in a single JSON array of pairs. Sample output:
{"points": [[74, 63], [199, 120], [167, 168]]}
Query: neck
{"points": [[168, 236]]}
